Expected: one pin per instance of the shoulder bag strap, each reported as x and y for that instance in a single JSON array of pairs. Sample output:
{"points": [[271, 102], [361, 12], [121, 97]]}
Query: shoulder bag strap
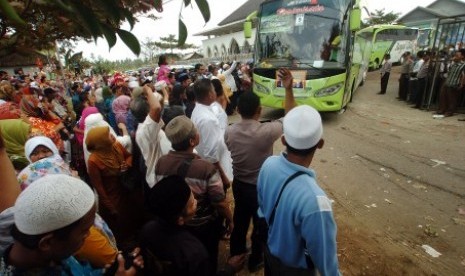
{"points": [[289, 179], [184, 168]]}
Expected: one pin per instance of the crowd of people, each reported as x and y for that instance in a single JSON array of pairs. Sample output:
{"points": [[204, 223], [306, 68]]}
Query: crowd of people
{"points": [[126, 175], [416, 84]]}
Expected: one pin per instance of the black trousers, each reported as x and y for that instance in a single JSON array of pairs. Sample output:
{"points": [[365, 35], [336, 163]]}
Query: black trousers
{"points": [[403, 86], [209, 235], [246, 206], [384, 82], [421, 87]]}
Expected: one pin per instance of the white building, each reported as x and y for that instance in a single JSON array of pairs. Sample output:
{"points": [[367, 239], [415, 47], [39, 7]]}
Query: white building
{"points": [[227, 42]]}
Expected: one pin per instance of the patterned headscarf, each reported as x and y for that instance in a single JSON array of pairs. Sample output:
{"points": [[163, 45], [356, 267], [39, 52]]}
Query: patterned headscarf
{"points": [[120, 107], [50, 165], [31, 106]]}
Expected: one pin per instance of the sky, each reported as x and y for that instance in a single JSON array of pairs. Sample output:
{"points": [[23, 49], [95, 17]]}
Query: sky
{"points": [[220, 9]]}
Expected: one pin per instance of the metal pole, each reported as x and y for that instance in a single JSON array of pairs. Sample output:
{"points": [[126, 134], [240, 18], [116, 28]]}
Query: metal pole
{"points": [[437, 66]]}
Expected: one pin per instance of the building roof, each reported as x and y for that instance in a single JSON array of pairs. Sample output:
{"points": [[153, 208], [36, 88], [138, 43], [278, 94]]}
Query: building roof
{"points": [[448, 7], [242, 12], [18, 60], [439, 8], [225, 29], [420, 9]]}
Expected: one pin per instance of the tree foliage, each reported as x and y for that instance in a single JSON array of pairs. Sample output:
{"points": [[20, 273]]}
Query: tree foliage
{"points": [[28, 25], [380, 17], [170, 42]]}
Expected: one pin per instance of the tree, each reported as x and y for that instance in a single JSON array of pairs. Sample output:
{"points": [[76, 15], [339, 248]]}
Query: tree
{"points": [[170, 42], [379, 17], [149, 49], [28, 25]]}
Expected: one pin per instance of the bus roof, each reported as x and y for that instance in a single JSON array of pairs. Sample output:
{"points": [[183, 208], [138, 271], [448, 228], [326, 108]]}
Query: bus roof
{"points": [[382, 27]]}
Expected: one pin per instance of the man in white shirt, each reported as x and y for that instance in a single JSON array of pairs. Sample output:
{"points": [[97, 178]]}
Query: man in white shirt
{"points": [[149, 136], [211, 145]]}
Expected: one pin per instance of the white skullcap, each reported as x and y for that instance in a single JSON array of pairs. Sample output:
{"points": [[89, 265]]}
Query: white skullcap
{"points": [[32, 143], [159, 85], [133, 84], [158, 96], [302, 127], [51, 203]]}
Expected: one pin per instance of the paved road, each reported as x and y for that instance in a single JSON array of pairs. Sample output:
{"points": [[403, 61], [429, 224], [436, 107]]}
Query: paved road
{"points": [[397, 177]]}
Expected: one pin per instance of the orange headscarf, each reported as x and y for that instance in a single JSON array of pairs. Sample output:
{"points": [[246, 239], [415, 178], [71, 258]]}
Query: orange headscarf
{"points": [[99, 143]]}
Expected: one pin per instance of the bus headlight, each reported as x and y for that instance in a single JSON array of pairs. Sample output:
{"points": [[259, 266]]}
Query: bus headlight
{"points": [[328, 91], [260, 88]]}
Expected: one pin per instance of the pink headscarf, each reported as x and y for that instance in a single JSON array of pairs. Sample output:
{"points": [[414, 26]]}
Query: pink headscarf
{"points": [[120, 108], [82, 122]]}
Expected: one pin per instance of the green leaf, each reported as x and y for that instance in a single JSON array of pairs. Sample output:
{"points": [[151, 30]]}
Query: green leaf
{"points": [[10, 12], [88, 20], [130, 40], [129, 17], [109, 34], [204, 9], [111, 8], [182, 33], [187, 2], [158, 5]]}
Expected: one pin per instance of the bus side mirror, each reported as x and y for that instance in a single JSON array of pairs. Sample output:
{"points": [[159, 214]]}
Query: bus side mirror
{"points": [[355, 19], [248, 29]]}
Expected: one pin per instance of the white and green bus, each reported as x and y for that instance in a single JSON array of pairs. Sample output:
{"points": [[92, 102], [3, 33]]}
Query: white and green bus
{"points": [[316, 40], [389, 39]]}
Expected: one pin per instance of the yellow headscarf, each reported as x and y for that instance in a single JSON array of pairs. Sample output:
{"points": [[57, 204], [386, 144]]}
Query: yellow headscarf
{"points": [[99, 144]]}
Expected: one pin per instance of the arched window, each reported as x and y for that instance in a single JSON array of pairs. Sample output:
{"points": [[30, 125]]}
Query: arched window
{"points": [[234, 48], [209, 52], [246, 49], [223, 50], [216, 53]]}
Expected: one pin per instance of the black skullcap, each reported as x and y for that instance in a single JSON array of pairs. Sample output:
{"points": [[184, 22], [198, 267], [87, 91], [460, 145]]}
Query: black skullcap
{"points": [[168, 198]]}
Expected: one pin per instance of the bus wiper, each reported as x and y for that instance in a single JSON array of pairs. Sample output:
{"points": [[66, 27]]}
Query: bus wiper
{"points": [[312, 66]]}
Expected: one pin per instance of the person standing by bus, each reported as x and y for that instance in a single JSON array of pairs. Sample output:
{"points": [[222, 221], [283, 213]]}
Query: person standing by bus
{"points": [[385, 71], [301, 228], [405, 71], [455, 82]]}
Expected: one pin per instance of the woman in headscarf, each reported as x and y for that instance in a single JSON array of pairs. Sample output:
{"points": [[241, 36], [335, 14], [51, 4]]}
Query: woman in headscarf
{"points": [[15, 134], [120, 106], [108, 113], [81, 125], [118, 207], [10, 110], [99, 247], [88, 108], [96, 120], [7, 91], [44, 158], [42, 120]]}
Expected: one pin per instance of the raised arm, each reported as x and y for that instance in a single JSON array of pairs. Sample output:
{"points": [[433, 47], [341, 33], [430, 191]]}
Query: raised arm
{"points": [[289, 100], [9, 187], [154, 103]]}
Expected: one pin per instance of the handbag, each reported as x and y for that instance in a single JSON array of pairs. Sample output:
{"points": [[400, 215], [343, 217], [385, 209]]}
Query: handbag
{"points": [[273, 265], [263, 225]]}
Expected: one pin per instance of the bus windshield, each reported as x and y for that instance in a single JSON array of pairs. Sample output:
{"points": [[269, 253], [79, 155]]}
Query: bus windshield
{"points": [[302, 33]]}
